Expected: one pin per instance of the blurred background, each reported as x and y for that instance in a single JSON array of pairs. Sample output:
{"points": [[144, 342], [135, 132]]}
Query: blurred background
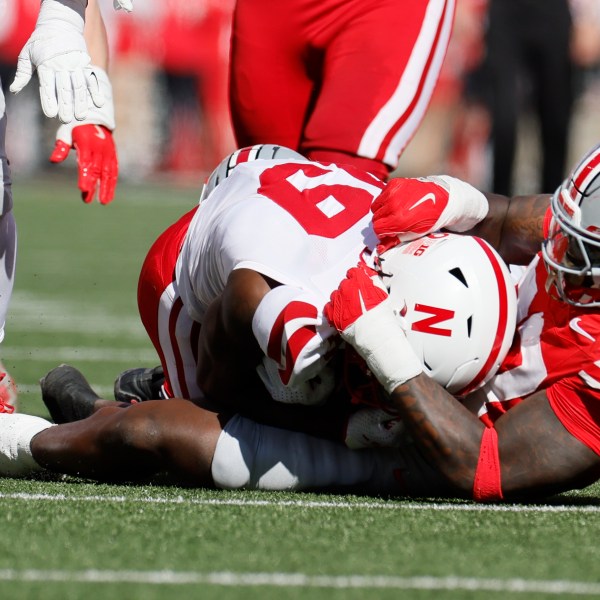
{"points": [[169, 73]]}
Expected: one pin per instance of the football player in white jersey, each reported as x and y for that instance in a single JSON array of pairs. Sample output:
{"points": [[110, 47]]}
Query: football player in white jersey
{"points": [[204, 445]]}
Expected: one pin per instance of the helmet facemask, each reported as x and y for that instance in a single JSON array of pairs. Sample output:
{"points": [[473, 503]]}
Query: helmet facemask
{"points": [[571, 250]]}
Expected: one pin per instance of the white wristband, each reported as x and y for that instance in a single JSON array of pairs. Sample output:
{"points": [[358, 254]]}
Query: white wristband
{"points": [[379, 338], [62, 10], [466, 206]]}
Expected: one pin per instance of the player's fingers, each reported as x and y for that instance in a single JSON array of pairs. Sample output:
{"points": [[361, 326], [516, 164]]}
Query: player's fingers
{"points": [[23, 74], [88, 182], [108, 185], [88, 173], [108, 182], [93, 87], [48, 92], [64, 93], [60, 152], [79, 90]]}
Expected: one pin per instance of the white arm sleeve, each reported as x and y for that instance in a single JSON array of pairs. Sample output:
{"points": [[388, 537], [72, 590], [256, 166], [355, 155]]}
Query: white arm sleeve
{"points": [[296, 340]]}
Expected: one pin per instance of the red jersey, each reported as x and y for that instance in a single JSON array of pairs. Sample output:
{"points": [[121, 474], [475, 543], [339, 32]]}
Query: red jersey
{"points": [[556, 348]]}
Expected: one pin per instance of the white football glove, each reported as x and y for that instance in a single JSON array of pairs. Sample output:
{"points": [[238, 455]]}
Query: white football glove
{"points": [[313, 392], [126, 5], [58, 51], [97, 115], [372, 427]]}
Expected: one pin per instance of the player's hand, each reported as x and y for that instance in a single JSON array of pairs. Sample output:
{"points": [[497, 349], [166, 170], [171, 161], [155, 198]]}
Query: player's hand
{"points": [[96, 153], [410, 208], [96, 161], [357, 294], [58, 51], [361, 311], [126, 5]]}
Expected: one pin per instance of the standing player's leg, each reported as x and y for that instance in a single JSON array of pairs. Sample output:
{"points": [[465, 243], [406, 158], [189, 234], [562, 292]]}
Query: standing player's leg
{"points": [[8, 254], [380, 70], [270, 90]]}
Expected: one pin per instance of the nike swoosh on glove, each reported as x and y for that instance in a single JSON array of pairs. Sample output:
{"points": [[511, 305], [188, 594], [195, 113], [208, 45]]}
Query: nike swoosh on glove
{"points": [[411, 208], [361, 311], [58, 51]]}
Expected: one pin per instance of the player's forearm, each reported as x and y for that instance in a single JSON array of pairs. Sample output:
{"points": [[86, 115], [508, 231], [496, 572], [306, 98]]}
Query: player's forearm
{"points": [[95, 35], [446, 432], [514, 226]]}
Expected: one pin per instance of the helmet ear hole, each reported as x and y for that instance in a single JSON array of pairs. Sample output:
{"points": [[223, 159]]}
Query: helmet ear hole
{"points": [[459, 275], [458, 305], [243, 155]]}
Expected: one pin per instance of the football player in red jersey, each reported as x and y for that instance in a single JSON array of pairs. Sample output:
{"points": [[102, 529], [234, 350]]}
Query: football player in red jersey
{"points": [[346, 81], [536, 427]]}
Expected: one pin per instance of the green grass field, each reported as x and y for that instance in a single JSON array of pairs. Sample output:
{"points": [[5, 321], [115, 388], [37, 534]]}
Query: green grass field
{"points": [[75, 302]]}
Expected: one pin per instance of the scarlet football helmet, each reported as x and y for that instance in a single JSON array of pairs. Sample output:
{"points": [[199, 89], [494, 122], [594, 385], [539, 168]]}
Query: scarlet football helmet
{"points": [[458, 306], [248, 154], [571, 250]]}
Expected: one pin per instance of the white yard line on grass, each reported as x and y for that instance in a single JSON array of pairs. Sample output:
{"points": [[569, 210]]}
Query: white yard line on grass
{"points": [[391, 505], [83, 353], [227, 578], [60, 315]]}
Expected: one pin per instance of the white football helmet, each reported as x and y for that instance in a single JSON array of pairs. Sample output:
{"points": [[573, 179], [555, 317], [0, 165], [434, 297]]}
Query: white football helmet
{"points": [[458, 306], [247, 154], [571, 250]]}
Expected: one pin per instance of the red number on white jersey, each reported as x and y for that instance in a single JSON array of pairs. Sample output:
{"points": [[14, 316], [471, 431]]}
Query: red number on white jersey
{"points": [[323, 209]]}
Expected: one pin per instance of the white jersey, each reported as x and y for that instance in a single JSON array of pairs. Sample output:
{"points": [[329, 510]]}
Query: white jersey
{"points": [[302, 224]]}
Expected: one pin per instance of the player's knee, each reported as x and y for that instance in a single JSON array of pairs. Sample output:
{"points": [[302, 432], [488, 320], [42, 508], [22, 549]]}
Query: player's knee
{"points": [[130, 431]]}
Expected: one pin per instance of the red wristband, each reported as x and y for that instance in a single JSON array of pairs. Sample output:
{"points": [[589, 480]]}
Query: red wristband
{"points": [[487, 485]]}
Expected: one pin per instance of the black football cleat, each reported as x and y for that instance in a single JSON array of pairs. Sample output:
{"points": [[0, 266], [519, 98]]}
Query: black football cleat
{"points": [[67, 394], [137, 385]]}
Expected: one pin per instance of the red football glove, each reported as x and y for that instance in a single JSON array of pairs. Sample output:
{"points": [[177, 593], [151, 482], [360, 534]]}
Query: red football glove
{"points": [[96, 160], [356, 295], [359, 309], [410, 208]]}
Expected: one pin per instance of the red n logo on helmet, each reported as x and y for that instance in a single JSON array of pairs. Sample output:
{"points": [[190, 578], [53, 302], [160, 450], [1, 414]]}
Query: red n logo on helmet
{"points": [[429, 324]]}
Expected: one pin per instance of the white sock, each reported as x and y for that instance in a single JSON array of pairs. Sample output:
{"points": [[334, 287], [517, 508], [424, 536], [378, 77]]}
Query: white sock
{"points": [[253, 456], [16, 432]]}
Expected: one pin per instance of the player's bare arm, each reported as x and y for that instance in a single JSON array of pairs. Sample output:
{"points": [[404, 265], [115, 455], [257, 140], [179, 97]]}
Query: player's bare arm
{"points": [[228, 354], [410, 208], [95, 35], [537, 455], [514, 226], [227, 350]]}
